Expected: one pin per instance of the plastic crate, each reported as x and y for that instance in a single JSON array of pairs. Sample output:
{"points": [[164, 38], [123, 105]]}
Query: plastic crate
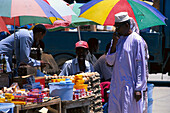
{"points": [[63, 89], [150, 90], [7, 107], [150, 103], [41, 80]]}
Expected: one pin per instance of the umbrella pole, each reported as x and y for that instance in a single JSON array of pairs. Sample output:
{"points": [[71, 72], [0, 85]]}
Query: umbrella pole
{"points": [[14, 27], [14, 52], [78, 28]]}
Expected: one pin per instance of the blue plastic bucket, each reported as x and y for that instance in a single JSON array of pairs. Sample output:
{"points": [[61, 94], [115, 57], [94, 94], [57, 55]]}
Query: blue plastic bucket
{"points": [[150, 90], [63, 89], [150, 103], [7, 107]]}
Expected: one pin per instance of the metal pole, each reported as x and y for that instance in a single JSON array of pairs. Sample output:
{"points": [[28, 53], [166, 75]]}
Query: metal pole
{"points": [[13, 74], [78, 29]]}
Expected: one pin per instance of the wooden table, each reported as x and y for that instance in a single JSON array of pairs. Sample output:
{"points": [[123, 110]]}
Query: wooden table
{"points": [[55, 102], [83, 103]]}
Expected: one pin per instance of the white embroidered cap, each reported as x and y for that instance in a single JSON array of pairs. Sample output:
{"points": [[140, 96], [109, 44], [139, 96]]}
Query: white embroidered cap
{"points": [[121, 17]]}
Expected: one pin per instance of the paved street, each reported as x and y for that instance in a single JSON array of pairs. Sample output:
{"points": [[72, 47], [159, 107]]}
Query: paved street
{"points": [[161, 93]]}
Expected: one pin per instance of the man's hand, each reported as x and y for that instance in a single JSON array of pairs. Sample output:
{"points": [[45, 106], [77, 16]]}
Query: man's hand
{"points": [[43, 64], [138, 95], [115, 40]]}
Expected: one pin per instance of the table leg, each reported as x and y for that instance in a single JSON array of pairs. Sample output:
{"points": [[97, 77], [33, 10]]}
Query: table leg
{"points": [[87, 109], [59, 107], [64, 110], [16, 109]]}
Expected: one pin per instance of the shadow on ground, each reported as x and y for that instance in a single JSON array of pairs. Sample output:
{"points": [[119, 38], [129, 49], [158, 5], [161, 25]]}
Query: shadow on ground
{"points": [[160, 83]]}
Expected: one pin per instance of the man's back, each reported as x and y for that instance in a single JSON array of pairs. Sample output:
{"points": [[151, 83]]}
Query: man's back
{"points": [[21, 44], [101, 67], [7, 45], [91, 58]]}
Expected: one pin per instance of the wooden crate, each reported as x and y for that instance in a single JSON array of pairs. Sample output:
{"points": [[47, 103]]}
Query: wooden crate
{"points": [[29, 108], [88, 28], [76, 106]]}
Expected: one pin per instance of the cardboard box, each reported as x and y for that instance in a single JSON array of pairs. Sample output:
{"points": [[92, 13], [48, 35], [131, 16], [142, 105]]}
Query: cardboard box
{"points": [[88, 28], [4, 80], [27, 70]]}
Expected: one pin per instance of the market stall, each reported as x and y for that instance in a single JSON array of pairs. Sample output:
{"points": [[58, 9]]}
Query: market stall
{"points": [[36, 88], [27, 92], [77, 93]]}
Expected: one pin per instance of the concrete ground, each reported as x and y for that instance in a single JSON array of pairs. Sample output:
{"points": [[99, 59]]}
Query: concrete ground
{"points": [[161, 93]]}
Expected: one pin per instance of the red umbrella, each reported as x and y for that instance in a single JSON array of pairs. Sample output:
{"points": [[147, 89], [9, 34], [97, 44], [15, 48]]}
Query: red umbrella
{"points": [[3, 26]]}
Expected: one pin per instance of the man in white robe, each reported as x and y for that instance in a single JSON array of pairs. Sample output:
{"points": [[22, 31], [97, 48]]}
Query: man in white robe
{"points": [[127, 55]]}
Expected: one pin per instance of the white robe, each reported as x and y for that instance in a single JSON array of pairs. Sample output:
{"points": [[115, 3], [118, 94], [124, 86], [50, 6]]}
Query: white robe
{"points": [[129, 74]]}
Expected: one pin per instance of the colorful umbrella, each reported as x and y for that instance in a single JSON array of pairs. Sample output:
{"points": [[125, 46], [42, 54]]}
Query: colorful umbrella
{"points": [[61, 7], [24, 20], [71, 20], [3, 26], [27, 11], [103, 11]]}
